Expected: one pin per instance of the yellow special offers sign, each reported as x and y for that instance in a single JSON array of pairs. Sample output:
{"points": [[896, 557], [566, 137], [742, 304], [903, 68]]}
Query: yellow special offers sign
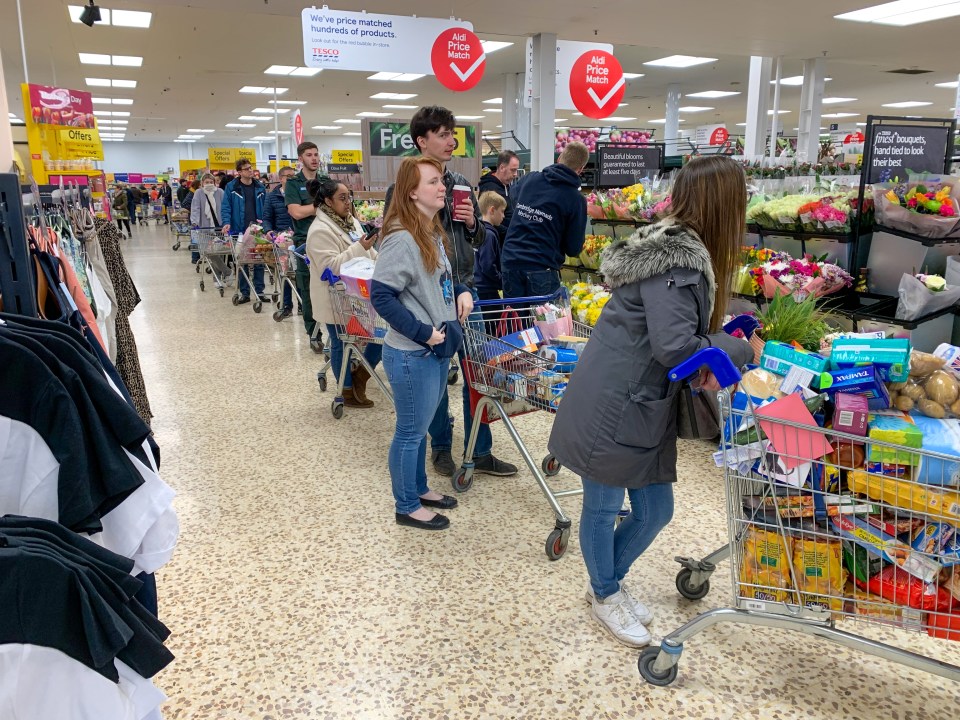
{"points": [[346, 157], [78, 143], [222, 156], [248, 154]]}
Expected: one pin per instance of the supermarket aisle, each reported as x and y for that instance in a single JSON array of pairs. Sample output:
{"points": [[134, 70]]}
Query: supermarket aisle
{"points": [[294, 594]]}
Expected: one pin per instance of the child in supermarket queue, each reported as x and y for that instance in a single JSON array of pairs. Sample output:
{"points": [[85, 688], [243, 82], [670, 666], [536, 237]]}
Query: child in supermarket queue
{"points": [[487, 275], [413, 291], [617, 425], [335, 237]]}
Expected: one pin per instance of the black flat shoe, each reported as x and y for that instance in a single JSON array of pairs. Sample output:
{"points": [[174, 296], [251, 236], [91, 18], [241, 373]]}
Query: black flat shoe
{"points": [[445, 503], [439, 522]]}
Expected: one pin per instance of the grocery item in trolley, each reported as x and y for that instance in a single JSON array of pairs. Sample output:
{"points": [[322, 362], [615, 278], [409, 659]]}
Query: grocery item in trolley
{"points": [[356, 276]]}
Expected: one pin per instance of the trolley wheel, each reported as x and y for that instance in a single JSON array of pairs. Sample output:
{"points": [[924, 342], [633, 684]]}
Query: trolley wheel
{"points": [[322, 379], [257, 306], [556, 544], [209, 271], [316, 346], [176, 246], [221, 292], [550, 466], [276, 298], [645, 664], [337, 409], [201, 286], [453, 375], [278, 315], [691, 592], [462, 480], [236, 299], [197, 267]]}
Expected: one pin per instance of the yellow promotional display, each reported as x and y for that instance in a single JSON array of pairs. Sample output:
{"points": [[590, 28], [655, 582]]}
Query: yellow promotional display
{"points": [[76, 143], [226, 158], [346, 157], [283, 163], [192, 166], [61, 132], [460, 133]]}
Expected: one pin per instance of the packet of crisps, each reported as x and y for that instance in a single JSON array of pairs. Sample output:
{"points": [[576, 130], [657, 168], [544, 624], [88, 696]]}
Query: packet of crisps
{"points": [[765, 570], [821, 577]]}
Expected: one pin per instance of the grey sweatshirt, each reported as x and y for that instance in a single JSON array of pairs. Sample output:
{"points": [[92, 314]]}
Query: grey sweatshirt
{"points": [[416, 304]]}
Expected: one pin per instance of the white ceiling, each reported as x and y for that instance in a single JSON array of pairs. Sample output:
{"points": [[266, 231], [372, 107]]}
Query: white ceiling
{"points": [[198, 53]]}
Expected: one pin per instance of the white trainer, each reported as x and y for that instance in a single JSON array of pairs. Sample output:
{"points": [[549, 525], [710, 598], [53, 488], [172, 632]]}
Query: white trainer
{"points": [[643, 613], [616, 616]]}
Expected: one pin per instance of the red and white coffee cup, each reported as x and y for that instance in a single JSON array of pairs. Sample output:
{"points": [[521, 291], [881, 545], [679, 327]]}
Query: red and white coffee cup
{"points": [[461, 195]]}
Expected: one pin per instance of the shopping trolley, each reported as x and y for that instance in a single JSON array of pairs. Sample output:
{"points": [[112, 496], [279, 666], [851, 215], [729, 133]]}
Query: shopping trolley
{"points": [[358, 324], [506, 382], [249, 253], [180, 226], [155, 212], [287, 259], [827, 527], [215, 248]]}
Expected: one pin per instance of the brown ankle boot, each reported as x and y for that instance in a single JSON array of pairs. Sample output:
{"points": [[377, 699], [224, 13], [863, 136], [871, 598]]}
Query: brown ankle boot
{"points": [[351, 400], [360, 377]]}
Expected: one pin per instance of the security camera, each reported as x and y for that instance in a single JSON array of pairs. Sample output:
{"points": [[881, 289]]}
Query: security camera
{"points": [[90, 15]]}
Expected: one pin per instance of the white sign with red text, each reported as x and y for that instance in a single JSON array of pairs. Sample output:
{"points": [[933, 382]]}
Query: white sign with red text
{"points": [[348, 40], [568, 51]]}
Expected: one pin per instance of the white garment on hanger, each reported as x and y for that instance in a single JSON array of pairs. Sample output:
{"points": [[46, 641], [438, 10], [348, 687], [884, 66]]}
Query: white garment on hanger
{"points": [[105, 312], [40, 683], [144, 527]]}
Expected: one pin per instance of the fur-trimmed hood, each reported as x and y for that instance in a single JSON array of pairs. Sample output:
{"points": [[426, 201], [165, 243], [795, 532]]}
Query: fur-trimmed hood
{"points": [[655, 250]]}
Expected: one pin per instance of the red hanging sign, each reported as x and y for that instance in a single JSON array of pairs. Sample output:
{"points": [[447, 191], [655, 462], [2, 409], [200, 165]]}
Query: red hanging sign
{"points": [[854, 138], [60, 106], [458, 59], [597, 84], [719, 136], [298, 128]]}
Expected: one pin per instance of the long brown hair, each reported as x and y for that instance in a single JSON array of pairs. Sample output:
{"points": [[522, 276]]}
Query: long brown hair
{"points": [[404, 214], [709, 196]]}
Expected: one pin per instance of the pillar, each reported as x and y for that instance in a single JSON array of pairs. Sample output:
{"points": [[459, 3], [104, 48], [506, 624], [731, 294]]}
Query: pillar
{"points": [[543, 110], [758, 103], [512, 111], [811, 103], [671, 131]]}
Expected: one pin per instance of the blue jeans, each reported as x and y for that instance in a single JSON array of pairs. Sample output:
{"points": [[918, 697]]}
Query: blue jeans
{"points": [[244, 287], [372, 353], [530, 283], [287, 295], [418, 379], [441, 427], [608, 553]]}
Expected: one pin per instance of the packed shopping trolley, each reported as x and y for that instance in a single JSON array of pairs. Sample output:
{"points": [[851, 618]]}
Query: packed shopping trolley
{"points": [[358, 325], [836, 516], [250, 250], [216, 249], [509, 374], [287, 259], [180, 227]]}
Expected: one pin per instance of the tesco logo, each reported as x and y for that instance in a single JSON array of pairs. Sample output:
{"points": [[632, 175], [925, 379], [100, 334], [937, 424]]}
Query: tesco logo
{"points": [[325, 51]]}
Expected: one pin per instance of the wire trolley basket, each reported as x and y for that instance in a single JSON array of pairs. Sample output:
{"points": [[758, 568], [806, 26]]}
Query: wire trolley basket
{"points": [[826, 529], [215, 248]]}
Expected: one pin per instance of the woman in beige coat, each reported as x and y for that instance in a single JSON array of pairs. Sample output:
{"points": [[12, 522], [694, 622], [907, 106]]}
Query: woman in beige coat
{"points": [[335, 237]]}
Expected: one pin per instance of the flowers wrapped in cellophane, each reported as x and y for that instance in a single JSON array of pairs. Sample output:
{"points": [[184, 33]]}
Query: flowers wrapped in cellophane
{"points": [[926, 205]]}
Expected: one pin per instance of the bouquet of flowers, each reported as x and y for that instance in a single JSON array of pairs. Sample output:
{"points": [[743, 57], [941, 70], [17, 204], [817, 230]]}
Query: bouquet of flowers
{"points": [[593, 246], [752, 258], [923, 294], [595, 206], [587, 301], [657, 209], [804, 277], [371, 213], [616, 205], [781, 213], [831, 214], [926, 206]]}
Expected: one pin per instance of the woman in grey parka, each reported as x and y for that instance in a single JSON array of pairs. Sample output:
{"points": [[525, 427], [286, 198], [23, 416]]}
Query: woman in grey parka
{"points": [[617, 424]]}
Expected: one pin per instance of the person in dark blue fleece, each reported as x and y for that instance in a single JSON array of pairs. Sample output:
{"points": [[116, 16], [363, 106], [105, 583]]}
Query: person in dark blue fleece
{"points": [[548, 223], [486, 273]]}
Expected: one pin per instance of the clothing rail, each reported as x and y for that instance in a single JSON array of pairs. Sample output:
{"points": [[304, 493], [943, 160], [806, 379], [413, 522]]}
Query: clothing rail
{"points": [[17, 290]]}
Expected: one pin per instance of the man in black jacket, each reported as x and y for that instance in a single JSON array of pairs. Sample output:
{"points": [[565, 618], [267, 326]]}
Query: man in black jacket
{"points": [[432, 131], [549, 221], [508, 165]]}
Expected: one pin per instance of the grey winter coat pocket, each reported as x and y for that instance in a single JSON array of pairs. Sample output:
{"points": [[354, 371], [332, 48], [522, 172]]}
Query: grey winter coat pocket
{"points": [[643, 421]]}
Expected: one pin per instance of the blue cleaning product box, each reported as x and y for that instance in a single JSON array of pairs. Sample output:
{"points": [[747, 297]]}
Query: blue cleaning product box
{"points": [[780, 358], [891, 357], [863, 381]]}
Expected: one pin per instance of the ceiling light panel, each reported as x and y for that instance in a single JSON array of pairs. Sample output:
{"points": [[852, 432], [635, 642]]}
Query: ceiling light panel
{"points": [[326, 127], [279, 70], [907, 104], [632, 76], [194, 130], [395, 77], [493, 101], [393, 96], [374, 114], [491, 46], [94, 59], [271, 111], [117, 18], [305, 72], [837, 100], [348, 121], [352, 133], [97, 82], [400, 107], [240, 125], [904, 12], [713, 94], [840, 115], [794, 80], [470, 117], [695, 108], [680, 61], [287, 102], [255, 118]]}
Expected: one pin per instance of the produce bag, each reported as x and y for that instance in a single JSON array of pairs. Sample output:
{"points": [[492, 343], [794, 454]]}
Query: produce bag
{"points": [[917, 300]]}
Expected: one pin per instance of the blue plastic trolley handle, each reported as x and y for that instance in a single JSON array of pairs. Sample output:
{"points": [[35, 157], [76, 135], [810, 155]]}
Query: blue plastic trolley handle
{"points": [[561, 293], [747, 323], [716, 359]]}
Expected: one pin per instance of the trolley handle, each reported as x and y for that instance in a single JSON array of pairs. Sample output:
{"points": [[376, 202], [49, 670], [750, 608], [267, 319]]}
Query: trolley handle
{"points": [[714, 358], [561, 293], [748, 324]]}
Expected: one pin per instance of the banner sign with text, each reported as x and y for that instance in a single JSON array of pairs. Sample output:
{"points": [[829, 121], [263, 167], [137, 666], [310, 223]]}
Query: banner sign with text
{"points": [[59, 106], [79, 143], [346, 157], [620, 165], [393, 139], [568, 52], [347, 40], [898, 149]]}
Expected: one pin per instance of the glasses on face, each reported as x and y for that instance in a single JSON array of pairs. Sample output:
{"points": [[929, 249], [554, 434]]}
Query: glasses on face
{"points": [[343, 198], [248, 168]]}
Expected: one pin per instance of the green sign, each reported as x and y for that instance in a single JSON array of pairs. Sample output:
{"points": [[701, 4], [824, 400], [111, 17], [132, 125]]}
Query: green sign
{"points": [[393, 139]]}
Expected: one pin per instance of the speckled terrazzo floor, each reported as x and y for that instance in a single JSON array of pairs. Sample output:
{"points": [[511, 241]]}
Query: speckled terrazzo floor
{"points": [[293, 594]]}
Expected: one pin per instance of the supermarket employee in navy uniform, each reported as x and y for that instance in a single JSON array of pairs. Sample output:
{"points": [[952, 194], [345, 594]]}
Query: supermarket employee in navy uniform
{"points": [[432, 131]]}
